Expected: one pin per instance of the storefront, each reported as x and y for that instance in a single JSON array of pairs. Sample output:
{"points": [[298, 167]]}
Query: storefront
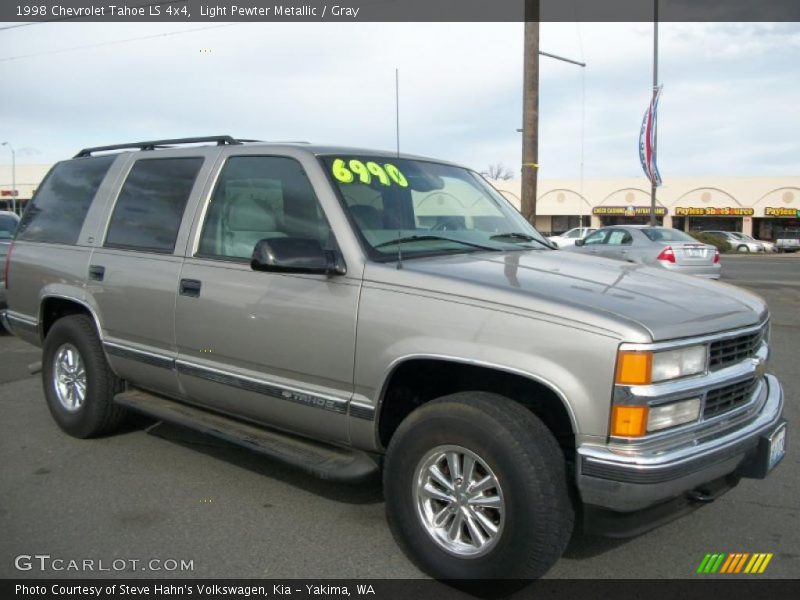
{"points": [[721, 218], [774, 220], [627, 215]]}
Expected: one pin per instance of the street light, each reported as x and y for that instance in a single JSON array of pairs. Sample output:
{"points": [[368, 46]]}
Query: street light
{"points": [[13, 176]]}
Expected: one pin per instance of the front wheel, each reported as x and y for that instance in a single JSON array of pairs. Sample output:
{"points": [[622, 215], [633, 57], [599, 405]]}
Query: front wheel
{"points": [[476, 488], [743, 248]]}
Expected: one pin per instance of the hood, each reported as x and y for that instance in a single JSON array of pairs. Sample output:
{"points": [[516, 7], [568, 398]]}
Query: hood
{"points": [[666, 305]]}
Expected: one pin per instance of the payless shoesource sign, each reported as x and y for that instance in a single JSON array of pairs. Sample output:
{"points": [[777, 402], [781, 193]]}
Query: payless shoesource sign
{"points": [[713, 211], [782, 211]]}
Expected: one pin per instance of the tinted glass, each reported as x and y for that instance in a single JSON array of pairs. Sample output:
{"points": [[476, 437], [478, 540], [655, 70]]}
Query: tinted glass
{"points": [[58, 209], [150, 206], [8, 225], [261, 197]]}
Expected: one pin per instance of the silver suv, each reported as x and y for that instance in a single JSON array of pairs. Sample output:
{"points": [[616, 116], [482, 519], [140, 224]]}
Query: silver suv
{"points": [[351, 312]]}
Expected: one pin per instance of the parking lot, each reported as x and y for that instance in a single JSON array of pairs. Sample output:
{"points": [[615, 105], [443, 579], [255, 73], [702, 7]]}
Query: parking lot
{"points": [[160, 492]]}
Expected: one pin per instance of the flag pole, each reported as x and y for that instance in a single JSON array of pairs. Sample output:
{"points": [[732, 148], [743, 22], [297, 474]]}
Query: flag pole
{"points": [[655, 91]]}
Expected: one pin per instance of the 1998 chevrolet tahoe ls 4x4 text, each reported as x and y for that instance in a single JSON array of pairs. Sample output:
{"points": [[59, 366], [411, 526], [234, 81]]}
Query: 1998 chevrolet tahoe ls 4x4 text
{"points": [[348, 311]]}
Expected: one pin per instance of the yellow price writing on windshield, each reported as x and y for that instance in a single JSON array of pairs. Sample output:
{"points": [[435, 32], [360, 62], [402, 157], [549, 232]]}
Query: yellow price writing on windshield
{"points": [[346, 172]]}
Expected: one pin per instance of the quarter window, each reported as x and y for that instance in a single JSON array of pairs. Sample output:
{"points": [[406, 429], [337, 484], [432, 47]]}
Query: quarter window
{"points": [[261, 197], [150, 206], [58, 209]]}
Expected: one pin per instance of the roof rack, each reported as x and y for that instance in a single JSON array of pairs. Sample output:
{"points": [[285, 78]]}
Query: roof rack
{"points": [[221, 140]]}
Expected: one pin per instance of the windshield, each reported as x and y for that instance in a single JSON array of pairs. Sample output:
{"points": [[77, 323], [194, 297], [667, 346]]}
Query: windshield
{"points": [[664, 234], [422, 208], [8, 225]]}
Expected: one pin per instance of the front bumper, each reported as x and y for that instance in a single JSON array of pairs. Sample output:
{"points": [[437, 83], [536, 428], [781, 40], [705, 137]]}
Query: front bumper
{"points": [[624, 482]]}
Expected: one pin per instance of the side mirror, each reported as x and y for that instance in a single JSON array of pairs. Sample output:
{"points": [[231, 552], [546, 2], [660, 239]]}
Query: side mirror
{"points": [[295, 255], [580, 242]]}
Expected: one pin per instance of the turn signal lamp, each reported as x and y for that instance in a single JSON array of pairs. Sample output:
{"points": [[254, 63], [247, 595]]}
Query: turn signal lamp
{"points": [[629, 421]]}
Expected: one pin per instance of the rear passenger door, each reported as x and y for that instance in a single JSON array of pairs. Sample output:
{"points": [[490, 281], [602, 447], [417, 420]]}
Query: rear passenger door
{"points": [[276, 348], [133, 276]]}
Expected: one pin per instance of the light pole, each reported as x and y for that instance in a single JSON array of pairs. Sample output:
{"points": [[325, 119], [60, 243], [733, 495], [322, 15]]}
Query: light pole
{"points": [[13, 177]]}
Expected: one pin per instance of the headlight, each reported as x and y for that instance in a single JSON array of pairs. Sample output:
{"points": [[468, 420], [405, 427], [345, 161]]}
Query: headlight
{"points": [[671, 415], [643, 368], [673, 364]]}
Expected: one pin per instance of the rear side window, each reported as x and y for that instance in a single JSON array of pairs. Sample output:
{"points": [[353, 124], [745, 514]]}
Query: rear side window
{"points": [[57, 212], [150, 206]]}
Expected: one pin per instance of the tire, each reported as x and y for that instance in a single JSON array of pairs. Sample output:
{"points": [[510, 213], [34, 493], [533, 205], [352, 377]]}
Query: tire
{"points": [[536, 517], [73, 342], [742, 248]]}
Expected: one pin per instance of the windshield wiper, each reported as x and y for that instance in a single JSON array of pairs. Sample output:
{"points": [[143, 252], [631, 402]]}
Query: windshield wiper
{"points": [[422, 238], [516, 236]]}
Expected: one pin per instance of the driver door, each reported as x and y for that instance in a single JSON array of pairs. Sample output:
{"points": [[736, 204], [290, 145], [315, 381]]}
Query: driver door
{"points": [[276, 348]]}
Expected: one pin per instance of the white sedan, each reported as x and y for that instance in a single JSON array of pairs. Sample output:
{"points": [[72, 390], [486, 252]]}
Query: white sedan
{"points": [[568, 237]]}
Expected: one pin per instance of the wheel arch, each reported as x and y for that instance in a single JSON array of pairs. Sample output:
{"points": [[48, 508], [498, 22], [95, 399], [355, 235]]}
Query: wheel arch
{"points": [[394, 405], [55, 306]]}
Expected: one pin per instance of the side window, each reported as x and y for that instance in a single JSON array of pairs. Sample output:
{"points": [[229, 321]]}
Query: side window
{"points": [[150, 206], [618, 237], [261, 197], [598, 237], [58, 209]]}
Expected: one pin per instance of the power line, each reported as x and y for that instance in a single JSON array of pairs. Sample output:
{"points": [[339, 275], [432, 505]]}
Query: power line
{"points": [[114, 42]]}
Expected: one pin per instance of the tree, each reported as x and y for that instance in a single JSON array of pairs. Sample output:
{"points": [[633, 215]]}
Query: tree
{"points": [[497, 171]]}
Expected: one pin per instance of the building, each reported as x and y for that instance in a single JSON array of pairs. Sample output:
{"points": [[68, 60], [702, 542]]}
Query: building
{"points": [[28, 178], [757, 206]]}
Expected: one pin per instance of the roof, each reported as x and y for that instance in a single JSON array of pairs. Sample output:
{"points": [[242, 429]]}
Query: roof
{"points": [[227, 140]]}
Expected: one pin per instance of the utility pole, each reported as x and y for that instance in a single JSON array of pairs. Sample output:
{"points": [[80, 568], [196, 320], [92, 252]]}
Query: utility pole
{"points": [[655, 93], [530, 112]]}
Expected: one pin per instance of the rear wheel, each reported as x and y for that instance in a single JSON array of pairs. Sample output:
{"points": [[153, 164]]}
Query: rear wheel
{"points": [[476, 488], [78, 383], [742, 248]]}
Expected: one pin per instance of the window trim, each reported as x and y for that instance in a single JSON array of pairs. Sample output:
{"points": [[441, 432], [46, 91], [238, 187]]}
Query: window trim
{"points": [[194, 247], [113, 207]]}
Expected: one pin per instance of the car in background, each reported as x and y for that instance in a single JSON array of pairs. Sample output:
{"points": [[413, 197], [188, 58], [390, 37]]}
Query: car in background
{"points": [[662, 247], [8, 226], [768, 246], [569, 237], [788, 240], [738, 241]]}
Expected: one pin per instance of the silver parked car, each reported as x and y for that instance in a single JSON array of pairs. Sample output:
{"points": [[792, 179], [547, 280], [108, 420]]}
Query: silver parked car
{"points": [[8, 226], [662, 247], [353, 311], [738, 241]]}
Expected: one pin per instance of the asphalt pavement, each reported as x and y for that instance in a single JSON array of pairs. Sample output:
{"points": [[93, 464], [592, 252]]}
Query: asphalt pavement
{"points": [[161, 492]]}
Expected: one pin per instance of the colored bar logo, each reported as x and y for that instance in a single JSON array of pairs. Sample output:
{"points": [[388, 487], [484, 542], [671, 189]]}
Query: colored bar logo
{"points": [[734, 563]]}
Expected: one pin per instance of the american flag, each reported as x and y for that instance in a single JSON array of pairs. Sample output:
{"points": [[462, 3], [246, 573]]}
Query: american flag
{"points": [[647, 141]]}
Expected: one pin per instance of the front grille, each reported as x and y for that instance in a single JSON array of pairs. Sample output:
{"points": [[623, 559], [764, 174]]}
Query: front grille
{"points": [[728, 398], [729, 351]]}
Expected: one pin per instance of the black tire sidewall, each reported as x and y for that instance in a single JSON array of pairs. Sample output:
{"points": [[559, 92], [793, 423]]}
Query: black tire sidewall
{"points": [[526, 513], [78, 331]]}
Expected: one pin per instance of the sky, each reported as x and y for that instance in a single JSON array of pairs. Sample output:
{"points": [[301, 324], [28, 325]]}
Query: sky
{"points": [[729, 105]]}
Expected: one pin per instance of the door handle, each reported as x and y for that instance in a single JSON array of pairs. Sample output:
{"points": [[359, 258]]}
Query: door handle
{"points": [[97, 272], [190, 287]]}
